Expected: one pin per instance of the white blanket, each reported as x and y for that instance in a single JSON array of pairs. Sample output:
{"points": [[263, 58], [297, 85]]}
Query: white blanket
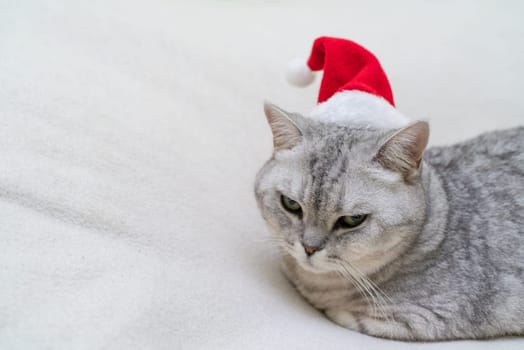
{"points": [[130, 134]]}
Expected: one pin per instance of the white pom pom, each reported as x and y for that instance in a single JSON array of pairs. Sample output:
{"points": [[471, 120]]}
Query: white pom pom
{"points": [[299, 74]]}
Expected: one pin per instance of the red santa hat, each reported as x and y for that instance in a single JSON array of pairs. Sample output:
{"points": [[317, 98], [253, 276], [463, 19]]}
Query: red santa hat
{"points": [[346, 65]]}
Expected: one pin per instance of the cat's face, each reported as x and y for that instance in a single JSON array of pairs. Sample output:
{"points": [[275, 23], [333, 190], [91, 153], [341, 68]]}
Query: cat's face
{"points": [[335, 196]]}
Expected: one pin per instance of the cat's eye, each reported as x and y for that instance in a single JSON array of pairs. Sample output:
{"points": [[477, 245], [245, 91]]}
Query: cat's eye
{"points": [[291, 205], [350, 221]]}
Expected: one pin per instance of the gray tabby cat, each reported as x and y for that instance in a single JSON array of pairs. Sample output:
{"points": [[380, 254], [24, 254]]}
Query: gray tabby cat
{"points": [[393, 241]]}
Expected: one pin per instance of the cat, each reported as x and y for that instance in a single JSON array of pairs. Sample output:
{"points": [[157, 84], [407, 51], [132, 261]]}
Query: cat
{"points": [[393, 240]]}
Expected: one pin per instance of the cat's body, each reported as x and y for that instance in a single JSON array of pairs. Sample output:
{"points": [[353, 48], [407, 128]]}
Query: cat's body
{"points": [[441, 253]]}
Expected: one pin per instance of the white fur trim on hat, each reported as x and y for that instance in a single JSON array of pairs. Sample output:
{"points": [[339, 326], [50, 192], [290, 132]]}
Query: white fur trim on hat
{"points": [[360, 109], [299, 74]]}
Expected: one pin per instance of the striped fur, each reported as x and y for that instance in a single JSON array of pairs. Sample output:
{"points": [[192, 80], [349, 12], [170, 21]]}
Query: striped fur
{"points": [[441, 254]]}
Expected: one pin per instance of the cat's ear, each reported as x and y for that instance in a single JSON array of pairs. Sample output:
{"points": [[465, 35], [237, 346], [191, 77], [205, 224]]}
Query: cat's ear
{"points": [[286, 133], [403, 151]]}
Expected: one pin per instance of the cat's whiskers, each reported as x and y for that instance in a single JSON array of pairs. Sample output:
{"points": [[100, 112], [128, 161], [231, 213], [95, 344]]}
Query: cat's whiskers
{"points": [[344, 273], [379, 298], [275, 241], [269, 239], [374, 285], [376, 302], [364, 290], [384, 299], [278, 244]]}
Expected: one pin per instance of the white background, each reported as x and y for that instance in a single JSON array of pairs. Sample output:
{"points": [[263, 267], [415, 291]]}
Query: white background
{"points": [[130, 134]]}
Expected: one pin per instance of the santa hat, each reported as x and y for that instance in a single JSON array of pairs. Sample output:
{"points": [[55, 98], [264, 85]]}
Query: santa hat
{"points": [[346, 65], [354, 87]]}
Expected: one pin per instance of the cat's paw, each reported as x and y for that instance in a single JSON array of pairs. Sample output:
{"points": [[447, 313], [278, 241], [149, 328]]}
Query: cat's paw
{"points": [[343, 318], [384, 328]]}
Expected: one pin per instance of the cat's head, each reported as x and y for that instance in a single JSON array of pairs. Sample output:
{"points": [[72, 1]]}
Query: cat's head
{"points": [[336, 193]]}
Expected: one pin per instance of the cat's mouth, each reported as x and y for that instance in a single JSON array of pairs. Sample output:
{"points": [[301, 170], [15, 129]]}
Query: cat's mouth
{"points": [[316, 266], [315, 263]]}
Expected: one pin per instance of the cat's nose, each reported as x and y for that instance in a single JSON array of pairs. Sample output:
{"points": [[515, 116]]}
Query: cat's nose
{"points": [[310, 250]]}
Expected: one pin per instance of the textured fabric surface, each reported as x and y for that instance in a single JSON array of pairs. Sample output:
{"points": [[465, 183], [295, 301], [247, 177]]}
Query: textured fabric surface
{"points": [[347, 66], [130, 134]]}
